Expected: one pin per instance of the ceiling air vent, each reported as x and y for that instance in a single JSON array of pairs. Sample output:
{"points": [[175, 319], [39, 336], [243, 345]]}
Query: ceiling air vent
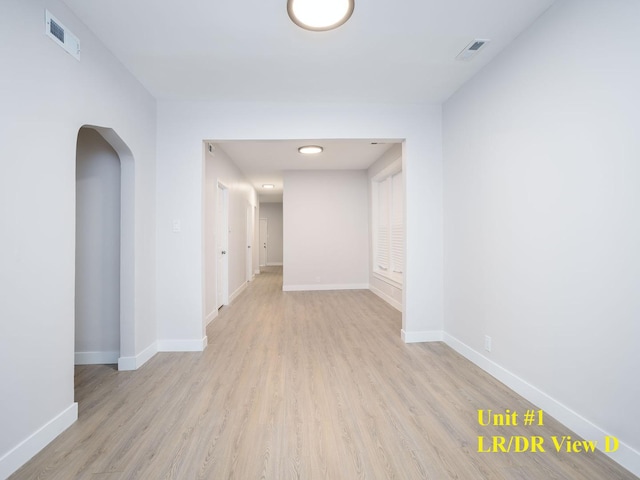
{"points": [[472, 49], [61, 35]]}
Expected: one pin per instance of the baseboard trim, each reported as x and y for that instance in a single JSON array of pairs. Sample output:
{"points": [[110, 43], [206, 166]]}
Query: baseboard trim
{"points": [[25, 450], [318, 287], [134, 363], [209, 318], [182, 345], [625, 455], [274, 264], [238, 291], [421, 337], [96, 358], [390, 300]]}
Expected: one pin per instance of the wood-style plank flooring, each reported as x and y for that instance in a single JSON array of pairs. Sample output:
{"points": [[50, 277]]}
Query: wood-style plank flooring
{"points": [[301, 385]]}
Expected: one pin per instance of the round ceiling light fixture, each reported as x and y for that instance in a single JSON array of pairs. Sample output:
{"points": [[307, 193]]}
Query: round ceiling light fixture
{"points": [[310, 149], [320, 15]]}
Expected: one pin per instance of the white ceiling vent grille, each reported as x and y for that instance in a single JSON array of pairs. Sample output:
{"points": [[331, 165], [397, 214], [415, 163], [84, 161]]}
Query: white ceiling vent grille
{"points": [[61, 35], [472, 49]]}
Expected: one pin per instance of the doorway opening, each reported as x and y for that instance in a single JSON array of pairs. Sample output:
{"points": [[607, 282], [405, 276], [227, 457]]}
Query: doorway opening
{"points": [[321, 234], [104, 270], [97, 304]]}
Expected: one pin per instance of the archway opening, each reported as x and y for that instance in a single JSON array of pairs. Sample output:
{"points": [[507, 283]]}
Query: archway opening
{"points": [[105, 266]]}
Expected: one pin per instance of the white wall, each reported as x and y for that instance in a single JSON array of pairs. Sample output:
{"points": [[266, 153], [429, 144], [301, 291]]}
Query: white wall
{"points": [[542, 217], [45, 99], [326, 230], [273, 213], [97, 293], [385, 290], [219, 168], [183, 125]]}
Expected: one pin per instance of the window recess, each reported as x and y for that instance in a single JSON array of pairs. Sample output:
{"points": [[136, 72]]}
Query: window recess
{"points": [[388, 223]]}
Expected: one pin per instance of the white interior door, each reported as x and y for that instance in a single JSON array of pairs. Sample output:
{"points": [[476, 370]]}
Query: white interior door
{"points": [[255, 258], [263, 241], [249, 262], [222, 246]]}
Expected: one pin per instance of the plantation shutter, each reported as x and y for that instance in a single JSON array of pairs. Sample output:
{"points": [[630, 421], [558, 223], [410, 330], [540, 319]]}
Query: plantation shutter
{"points": [[383, 240], [397, 223]]}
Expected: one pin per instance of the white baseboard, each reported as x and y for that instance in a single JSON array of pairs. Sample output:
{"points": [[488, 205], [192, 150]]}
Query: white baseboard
{"points": [[423, 336], [316, 287], [133, 363], [25, 450], [96, 358], [625, 455], [390, 300], [274, 264], [210, 317], [256, 271], [197, 345], [238, 291]]}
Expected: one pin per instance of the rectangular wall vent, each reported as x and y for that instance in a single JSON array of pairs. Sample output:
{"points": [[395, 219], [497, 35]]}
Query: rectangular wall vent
{"points": [[56, 30], [61, 35], [472, 49]]}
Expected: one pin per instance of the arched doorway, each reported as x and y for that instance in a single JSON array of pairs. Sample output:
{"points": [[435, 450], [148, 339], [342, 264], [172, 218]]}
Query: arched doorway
{"points": [[105, 328]]}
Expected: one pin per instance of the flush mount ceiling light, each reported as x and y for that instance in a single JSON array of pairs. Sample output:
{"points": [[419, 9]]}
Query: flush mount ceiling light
{"points": [[320, 15], [268, 186], [310, 149]]}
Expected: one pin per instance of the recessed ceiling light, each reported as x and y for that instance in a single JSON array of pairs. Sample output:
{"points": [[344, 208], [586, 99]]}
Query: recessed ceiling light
{"points": [[310, 149], [268, 186], [320, 15]]}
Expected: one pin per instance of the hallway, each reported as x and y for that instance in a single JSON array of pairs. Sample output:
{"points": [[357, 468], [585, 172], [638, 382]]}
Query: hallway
{"points": [[300, 385]]}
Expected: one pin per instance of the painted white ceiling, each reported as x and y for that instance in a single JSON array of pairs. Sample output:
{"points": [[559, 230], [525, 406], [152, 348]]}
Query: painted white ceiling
{"points": [[263, 162], [249, 50]]}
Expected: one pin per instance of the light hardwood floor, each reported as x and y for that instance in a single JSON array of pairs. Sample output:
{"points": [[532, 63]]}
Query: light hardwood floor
{"points": [[301, 385]]}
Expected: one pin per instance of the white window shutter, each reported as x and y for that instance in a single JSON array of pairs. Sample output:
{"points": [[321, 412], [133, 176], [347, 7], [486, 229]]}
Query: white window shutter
{"points": [[383, 248], [397, 224], [388, 223], [397, 247], [383, 237]]}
